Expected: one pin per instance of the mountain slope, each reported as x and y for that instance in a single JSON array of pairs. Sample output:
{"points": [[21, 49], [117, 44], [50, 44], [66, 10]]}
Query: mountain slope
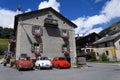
{"points": [[114, 28]]}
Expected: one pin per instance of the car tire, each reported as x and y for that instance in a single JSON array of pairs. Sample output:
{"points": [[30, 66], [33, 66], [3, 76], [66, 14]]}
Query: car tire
{"points": [[36, 67], [19, 69], [50, 67], [59, 67], [39, 67]]}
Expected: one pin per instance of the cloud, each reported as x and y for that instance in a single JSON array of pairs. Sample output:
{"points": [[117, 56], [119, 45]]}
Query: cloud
{"points": [[28, 10], [51, 3], [96, 30], [87, 24], [112, 9], [97, 1], [7, 18]]}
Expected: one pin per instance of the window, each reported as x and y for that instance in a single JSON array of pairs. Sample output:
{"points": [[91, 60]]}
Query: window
{"points": [[97, 54], [65, 50], [119, 42], [35, 47], [64, 34], [37, 31], [107, 53]]}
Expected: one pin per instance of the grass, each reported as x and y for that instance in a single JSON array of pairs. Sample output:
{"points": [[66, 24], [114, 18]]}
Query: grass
{"points": [[3, 46], [4, 43], [1, 56]]}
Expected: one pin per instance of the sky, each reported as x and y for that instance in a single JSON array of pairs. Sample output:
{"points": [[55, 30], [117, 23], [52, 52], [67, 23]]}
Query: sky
{"points": [[89, 15]]}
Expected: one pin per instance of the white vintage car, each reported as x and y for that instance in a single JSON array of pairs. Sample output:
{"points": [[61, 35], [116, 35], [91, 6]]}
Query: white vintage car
{"points": [[43, 62]]}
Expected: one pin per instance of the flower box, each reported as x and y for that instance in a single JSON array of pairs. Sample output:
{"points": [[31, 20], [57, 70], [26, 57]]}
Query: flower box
{"points": [[37, 35], [65, 37], [37, 53]]}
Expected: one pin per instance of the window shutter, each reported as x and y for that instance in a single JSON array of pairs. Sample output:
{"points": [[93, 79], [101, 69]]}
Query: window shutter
{"points": [[41, 47], [41, 30], [68, 33], [33, 29], [32, 47], [61, 33]]}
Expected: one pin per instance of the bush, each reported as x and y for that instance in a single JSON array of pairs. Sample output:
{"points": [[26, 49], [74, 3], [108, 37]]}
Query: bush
{"points": [[104, 57], [1, 51], [93, 56]]}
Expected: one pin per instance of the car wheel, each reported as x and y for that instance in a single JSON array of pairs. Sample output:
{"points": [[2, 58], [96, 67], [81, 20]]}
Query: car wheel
{"points": [[36, 67], [50, 67], [39, 67], [59, 67], [19, 69]]}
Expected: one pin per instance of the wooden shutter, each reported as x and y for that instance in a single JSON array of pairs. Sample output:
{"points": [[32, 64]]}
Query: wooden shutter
{"points": [[32, 47], [41, 47], [33, 29], [41, 30]]}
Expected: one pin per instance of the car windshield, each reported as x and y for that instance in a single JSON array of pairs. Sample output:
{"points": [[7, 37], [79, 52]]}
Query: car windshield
{"points": [[23, 58], [44, 58], [61, 58]]}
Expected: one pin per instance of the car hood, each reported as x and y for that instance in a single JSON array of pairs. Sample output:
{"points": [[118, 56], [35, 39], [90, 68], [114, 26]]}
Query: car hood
{"points": [[45, 61]]}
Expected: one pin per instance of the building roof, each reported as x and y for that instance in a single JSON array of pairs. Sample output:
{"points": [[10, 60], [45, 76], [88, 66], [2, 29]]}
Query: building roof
{"points": [[43, 10], [87, 40], [107, 38]]}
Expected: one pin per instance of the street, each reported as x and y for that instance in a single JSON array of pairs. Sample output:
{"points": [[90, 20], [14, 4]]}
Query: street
{"points": [[94, 71]]}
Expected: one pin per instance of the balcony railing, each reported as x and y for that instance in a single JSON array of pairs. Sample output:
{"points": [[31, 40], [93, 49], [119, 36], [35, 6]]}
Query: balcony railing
{"points": [[50, 22]]}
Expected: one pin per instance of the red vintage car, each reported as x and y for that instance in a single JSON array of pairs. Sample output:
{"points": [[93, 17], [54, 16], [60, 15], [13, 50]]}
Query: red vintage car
{"points": [[24, 63], [60, 62]]}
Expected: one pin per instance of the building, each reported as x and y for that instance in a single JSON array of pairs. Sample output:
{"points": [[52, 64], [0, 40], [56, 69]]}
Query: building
{"points": [[84, 44], [45, 32], [110, 45]]}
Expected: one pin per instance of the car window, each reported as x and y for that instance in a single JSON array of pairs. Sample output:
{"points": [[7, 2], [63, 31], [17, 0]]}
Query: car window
{"points": [[23, 58], [44, 58], [62, 58]]}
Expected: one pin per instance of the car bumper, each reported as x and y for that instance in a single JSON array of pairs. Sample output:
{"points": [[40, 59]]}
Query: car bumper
{"points": [[46, 66]]}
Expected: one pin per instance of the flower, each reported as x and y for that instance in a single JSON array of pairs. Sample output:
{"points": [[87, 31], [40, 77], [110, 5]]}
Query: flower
{"points": [[37, 53], [65, 37], [37, 35]]}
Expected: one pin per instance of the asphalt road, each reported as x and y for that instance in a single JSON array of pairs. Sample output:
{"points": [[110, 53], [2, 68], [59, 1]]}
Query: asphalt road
{"points": [[94, 71]]}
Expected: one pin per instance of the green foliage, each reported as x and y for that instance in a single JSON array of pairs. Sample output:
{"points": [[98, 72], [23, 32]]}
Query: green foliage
{"points": [[5, 32], [104, 57], [3, 45], [1, 51], [1, 56], [93, 56]]}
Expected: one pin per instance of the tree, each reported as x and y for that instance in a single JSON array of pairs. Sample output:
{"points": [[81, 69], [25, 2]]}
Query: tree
{"points": [[5, 32], [1, 30]]}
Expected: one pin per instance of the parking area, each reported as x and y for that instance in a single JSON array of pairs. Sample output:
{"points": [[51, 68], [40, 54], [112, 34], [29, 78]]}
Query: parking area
{"points": [[93, 71]]}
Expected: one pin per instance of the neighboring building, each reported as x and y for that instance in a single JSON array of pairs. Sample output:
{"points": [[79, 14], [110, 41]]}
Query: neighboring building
{"points": [[84, 44], [110, 45], [45, 32]]}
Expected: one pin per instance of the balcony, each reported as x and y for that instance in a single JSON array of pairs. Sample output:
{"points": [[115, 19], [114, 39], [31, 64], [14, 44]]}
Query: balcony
{"points": [[50, 22]]}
